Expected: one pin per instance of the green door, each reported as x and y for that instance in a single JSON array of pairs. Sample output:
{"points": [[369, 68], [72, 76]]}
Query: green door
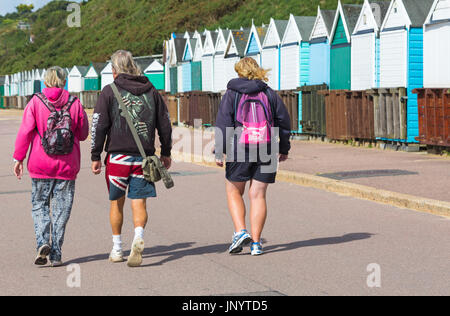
{"points": [[340, 67], [92, 84], [196, 71], [173, 80], [157, 79], [2, 93]]}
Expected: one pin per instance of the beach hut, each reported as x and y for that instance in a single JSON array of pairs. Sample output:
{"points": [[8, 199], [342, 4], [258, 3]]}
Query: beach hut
{"points": [[37, 81], [179, 44], [365, 49], [7, 86], [12, 85], [76, 78], [208, 61], [197, 80], [192, 65], [294, 64], [21, 84], [340, 54], [15, 84], [198, 50], [401, 54], [176, 52], [29, 82], [43, 71], [270, 55], [107, 75], [143, 62], [220, 80], [2, 90], [187, 65], [166, 59], [255, 41], [236, 44], [66, 87], [93, 79], [437, 46], [155, 73], [32, 78], [319, 48]]}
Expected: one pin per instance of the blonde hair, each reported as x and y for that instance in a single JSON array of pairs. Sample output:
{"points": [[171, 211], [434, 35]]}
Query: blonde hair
{"points": [[123, 63], [248, 68], [55, 77]]}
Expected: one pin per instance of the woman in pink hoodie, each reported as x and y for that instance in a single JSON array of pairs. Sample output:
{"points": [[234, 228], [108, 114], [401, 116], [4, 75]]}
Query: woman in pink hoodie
{"points": [[54, 160]]}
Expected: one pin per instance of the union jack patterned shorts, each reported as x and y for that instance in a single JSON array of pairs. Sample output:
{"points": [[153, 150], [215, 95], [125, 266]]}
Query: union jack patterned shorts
{"points": [[125, 172]]}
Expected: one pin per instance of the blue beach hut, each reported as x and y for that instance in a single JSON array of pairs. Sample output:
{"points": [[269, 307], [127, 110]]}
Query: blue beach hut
{"points": [[401, 54]]}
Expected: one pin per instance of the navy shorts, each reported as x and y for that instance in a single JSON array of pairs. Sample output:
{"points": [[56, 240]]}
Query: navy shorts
{"points": [[246, 171], [125, 172]]}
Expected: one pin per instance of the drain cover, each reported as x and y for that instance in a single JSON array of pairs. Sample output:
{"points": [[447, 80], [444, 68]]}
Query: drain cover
{"points": [[367, 174]]}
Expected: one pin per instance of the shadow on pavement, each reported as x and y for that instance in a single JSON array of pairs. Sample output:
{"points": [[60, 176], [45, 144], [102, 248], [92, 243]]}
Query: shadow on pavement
{"points": [[318, 242], [175, 255], [147, 251], [181, 250]]}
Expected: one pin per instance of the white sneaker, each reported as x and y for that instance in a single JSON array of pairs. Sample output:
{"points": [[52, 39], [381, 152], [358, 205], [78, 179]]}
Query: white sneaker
{"points": [[116, 256], [256, 249], [135, 258]]}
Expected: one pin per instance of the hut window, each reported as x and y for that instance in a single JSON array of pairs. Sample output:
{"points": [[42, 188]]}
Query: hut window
{"points": [[365, 19]]}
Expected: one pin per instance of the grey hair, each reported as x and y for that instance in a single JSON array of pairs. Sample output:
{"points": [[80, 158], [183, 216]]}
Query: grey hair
{"points": [[123, 63], [55, 77]]}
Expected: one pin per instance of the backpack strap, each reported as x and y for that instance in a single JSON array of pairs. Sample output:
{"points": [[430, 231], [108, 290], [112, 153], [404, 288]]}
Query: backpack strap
{"points": [[271, 102], [46, 102], [236, 104], [70, 102]]}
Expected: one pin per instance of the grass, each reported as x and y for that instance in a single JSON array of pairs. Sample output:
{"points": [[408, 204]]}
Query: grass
{"points": [[136, 25]]}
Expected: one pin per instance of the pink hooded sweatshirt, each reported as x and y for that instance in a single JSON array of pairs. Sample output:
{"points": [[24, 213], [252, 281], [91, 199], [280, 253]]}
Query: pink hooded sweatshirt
{"points": [[41, 165]]}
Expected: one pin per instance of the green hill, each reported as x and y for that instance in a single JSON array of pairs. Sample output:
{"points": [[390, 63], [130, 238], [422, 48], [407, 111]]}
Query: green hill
{"points": [[136, 25]]}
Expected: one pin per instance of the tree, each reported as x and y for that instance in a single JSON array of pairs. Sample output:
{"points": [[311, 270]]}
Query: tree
{"points": [[24, 8]]}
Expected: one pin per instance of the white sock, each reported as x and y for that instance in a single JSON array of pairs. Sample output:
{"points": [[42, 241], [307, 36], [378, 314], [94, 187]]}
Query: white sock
{"points": [[139, 232], [117, 241]]}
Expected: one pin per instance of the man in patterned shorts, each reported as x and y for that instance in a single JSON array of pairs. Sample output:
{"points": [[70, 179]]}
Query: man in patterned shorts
{"points": [[123, 160]]}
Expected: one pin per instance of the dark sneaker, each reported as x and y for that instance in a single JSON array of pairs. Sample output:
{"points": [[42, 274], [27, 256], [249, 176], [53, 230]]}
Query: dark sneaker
{"points": [[43, 252]]}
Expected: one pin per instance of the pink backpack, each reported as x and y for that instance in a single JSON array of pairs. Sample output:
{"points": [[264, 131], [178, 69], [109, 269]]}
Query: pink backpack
{"points": [[58, 139], [254, 112]]}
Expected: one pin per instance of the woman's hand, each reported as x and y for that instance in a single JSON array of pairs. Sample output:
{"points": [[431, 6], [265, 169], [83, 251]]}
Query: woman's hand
{"points": [[283, 158], [18, 170], [219, 162], [96, 167]]}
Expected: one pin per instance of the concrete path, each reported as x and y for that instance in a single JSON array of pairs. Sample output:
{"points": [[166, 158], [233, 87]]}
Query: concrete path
{"points": [[418, 174], [316, 243]]}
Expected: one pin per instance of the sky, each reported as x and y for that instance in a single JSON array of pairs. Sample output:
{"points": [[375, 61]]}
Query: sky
{"points": [[9, 6]]}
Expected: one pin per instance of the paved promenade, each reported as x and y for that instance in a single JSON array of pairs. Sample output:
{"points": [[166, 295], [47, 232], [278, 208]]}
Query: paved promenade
{"points": [[316, 242]]}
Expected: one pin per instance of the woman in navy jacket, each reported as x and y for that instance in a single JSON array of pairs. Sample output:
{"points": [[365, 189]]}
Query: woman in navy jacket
{"points": [[257, 166]]}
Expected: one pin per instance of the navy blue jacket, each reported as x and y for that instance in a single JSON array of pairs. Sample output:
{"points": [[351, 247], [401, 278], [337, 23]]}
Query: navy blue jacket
{"points": [[225, 116]]}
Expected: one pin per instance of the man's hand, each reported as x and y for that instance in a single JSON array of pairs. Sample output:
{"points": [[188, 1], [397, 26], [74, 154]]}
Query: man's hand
{"points": [[219, 162], [18, 170], [96, 167], [166, 161], [283, 158]]}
